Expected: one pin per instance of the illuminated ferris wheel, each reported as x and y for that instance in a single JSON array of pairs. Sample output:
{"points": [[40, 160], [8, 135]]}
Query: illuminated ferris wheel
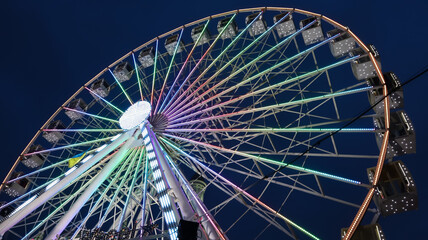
{"points": [[240, 125]]}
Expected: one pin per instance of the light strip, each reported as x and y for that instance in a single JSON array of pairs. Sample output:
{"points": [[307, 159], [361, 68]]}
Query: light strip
{"points": [[164, 199], [69, 146], [275, 130], [138, 77], [154, 73], [107, 102], [82, 130], [91, 115]]}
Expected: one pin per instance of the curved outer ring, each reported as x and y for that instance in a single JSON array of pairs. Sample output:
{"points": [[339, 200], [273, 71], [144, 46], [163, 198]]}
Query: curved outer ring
{"points": [[383, 149]]}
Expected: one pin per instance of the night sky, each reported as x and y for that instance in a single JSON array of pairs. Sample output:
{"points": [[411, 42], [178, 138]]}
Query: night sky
{"points": [[49, 49]]}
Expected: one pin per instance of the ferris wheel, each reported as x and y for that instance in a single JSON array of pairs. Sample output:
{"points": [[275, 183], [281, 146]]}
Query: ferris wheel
{"points": [[241, 125]]}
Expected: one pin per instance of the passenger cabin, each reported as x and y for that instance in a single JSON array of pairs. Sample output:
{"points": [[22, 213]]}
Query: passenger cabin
{"points": [[78, 105], [341, 45], [363, 67], [171, 44], [123, 71], [396, 94], [396, 190], [18, 187], [402, 139], [313, 33], [231, 29], [101, 88], [198, 31], [147, 57], [54, 136], [35, 160], [286, 26], [258, 27]]}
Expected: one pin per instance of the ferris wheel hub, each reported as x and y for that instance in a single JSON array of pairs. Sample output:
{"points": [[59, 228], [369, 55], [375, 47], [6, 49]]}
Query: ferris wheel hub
{"points": [[135, 115]]}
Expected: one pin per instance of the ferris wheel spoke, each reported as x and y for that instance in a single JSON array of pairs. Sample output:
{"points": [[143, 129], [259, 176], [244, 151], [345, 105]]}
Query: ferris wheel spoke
{"points": [[332, 155], [121, 87], [91, 115], [104, 100], [299, 55], [168, 71], [182, 68], [38, 171], [83, 130], [171, 104], [70, 146], [138, 76], [275, 130], [272, 107], [155, 62]]}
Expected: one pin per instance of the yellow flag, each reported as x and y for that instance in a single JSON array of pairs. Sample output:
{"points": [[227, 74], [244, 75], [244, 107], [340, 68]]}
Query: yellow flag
{"points": [[76, 159]]}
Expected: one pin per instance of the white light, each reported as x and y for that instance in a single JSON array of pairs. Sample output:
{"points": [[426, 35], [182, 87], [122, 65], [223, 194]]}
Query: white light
{"points": [[135, 115], [101, 148], [70, 171], [24, 204], [115, 137], [52, 184], [145, 133], [86, 158]]}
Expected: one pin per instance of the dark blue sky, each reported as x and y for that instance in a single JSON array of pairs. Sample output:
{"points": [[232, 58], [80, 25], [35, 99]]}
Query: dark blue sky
{"points": [[49, 49]]}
